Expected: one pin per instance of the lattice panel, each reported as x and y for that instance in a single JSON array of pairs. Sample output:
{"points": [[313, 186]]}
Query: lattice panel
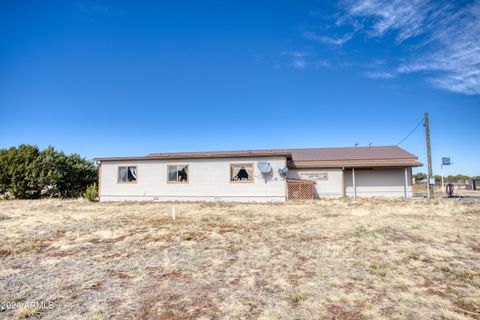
{"points": [[300, 190]]}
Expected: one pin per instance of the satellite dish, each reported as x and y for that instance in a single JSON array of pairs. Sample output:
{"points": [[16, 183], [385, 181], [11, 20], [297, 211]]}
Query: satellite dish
{"points": [[264, 167], [283, 170]]}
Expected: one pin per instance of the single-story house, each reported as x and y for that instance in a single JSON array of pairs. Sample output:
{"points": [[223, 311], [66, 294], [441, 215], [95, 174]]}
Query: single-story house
{"points": [[258, 175]]}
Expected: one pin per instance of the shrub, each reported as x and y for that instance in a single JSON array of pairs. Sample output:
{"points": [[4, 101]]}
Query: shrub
{"points": [[296, 298], [91, 193], [379, 269]]}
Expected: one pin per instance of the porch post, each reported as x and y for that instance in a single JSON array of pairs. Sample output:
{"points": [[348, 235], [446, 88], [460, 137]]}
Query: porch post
{"points": [[406, 182], [354, 184]]}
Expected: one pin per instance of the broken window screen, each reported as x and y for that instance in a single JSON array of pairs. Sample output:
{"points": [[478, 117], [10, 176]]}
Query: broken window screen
{"points": [[178, 173], [241, 172], [182, 173], [132, 174], [127, 174]]}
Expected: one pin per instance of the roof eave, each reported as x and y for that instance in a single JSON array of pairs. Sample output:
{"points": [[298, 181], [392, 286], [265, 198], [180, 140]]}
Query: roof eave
{"points": [[194, 156], [353, 164]]}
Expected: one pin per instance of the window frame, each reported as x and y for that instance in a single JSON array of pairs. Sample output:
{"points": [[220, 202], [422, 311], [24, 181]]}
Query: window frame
{"points": [[315, 172], [127, 182], [241, 164], [176, 165]]}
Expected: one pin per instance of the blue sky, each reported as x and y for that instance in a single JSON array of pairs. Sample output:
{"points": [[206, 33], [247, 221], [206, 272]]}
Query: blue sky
{"points": [[122, 78]]}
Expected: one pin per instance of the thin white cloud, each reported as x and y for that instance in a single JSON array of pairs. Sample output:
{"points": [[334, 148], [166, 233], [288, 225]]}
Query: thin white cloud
{"points": [[297, 59], [408, 17], [340, 41], [448, 49], [379, 75], [304, 59], [299, 63], [295, 54], [321, 63]]}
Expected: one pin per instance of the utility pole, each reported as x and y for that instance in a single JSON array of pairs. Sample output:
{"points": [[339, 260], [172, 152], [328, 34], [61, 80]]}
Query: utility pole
{"points": [[431, 187]]}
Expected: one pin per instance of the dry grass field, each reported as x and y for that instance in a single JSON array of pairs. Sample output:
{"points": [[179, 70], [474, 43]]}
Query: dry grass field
{"points": [[337, 259]]}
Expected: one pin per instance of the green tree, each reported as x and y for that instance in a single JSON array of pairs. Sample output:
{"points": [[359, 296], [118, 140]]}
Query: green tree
{"points": [[22, 173], [5, 178], [27, 172], [74, 174], [456, 178], [420, 176]]}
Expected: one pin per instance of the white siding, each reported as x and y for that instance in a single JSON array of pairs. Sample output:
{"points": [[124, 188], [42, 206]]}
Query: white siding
{"points": [[376, 182], [331, 188], [209, 180], [379, 182]]}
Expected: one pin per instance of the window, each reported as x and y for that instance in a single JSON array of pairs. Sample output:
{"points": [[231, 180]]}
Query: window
{"points": [[320, 176], [242, 172], [178, 173], [127, 174]]}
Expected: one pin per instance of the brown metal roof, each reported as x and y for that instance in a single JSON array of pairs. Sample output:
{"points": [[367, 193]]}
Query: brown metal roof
{"points": [[351, 153], [207, 154], [355, 163], [221, 154], [390, 156]]}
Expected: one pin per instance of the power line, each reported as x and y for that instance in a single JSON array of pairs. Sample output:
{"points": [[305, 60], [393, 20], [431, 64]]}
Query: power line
{"points": [[408, 135]]}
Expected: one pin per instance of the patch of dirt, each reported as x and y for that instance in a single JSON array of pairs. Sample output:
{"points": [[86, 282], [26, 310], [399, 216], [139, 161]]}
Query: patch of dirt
{"points": [[119, 274], [467, 308], [342, 313]]}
